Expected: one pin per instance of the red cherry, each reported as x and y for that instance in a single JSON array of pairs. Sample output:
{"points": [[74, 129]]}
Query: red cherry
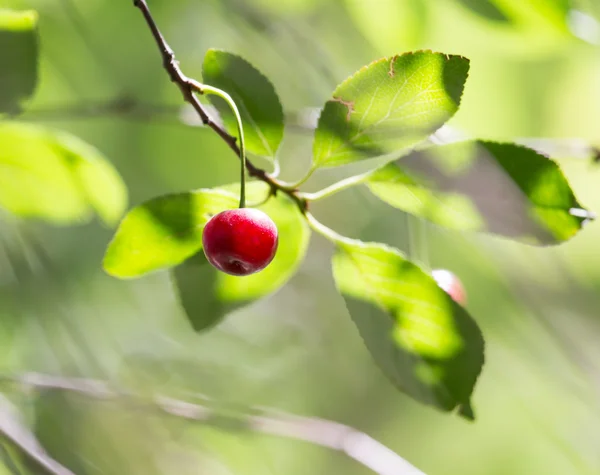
{"points": [[451, 284], [240, 241]]}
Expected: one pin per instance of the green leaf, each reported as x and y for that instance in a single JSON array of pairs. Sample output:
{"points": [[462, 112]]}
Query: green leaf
{"points": [[163, 232], [18, 58], [423, 341], [487, 9], [389, 105], [53, 175], [255, 97], [537, 15], [500, 188], [99, 182], [207, 295]]}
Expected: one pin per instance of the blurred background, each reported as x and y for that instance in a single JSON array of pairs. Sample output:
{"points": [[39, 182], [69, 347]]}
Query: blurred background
{"points": [[535, 66]]}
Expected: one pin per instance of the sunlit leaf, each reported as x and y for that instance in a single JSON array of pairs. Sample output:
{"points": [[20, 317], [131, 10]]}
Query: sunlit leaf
{"points": [[500, 188], [423, 341], [163, 231], [207, 295], [53, 175], [255, 97], [18, 58], [98, 180], [389, 105]]}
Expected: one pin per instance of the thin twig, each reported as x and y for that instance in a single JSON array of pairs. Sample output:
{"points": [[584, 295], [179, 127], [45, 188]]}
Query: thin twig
{"points": [[354, 443]]}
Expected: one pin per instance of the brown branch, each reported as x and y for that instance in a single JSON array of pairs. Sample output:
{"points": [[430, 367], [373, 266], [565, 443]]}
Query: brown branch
{"points": [[186, 86], [354, 443]]}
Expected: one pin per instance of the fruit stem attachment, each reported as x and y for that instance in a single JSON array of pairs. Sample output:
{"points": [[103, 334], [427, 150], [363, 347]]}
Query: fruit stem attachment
{"points": [[206, 89], [338, 186]]}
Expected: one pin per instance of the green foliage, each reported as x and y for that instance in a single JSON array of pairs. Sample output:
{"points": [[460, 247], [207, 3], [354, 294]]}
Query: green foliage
{"points": [[500, 188], [55, 176], [389, 105], [423, 341], [18, 58], [538, 14], [163, 232], [206, 306], [486, 8], [254, 96]]}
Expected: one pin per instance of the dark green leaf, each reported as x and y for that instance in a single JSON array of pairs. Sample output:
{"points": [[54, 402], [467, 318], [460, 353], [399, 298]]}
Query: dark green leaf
{"points": [[163, 232], [504, 189], [18, 58], [423, 341], [207, 295], [52, 175], [255, 97], [389, 105]]}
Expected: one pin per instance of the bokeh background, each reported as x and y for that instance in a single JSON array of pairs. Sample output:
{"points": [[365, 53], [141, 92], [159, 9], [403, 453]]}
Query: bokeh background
{"points": [[535, 69]]}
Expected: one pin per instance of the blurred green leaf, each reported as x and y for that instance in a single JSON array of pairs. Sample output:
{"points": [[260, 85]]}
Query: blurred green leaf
{"points": [[207, 295], [535, 14], [485, 8], [18, 57], [389, 105], [255, 97], [163, 232], [423, 341], [98, 180], [500, 188], [52, 175], [390, 24], [552, 13]]}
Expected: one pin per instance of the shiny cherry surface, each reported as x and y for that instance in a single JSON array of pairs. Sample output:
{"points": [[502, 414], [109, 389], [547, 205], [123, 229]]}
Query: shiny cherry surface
{"points": [[240, 241]]}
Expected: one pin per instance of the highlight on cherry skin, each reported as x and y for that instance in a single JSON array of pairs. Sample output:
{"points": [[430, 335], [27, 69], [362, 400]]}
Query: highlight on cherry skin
{"points": [[240, 241], [451, 284]]}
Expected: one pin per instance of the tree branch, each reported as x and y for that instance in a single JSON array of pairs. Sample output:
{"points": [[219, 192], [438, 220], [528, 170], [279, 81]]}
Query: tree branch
{"points": [[354, 443], [186, 86]]}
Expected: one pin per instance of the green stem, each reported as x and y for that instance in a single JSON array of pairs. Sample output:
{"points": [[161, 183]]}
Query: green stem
{"points": [[323, 230], [206, 89], [417, 240], [297, 184], [261, 202], [339, 186]]}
